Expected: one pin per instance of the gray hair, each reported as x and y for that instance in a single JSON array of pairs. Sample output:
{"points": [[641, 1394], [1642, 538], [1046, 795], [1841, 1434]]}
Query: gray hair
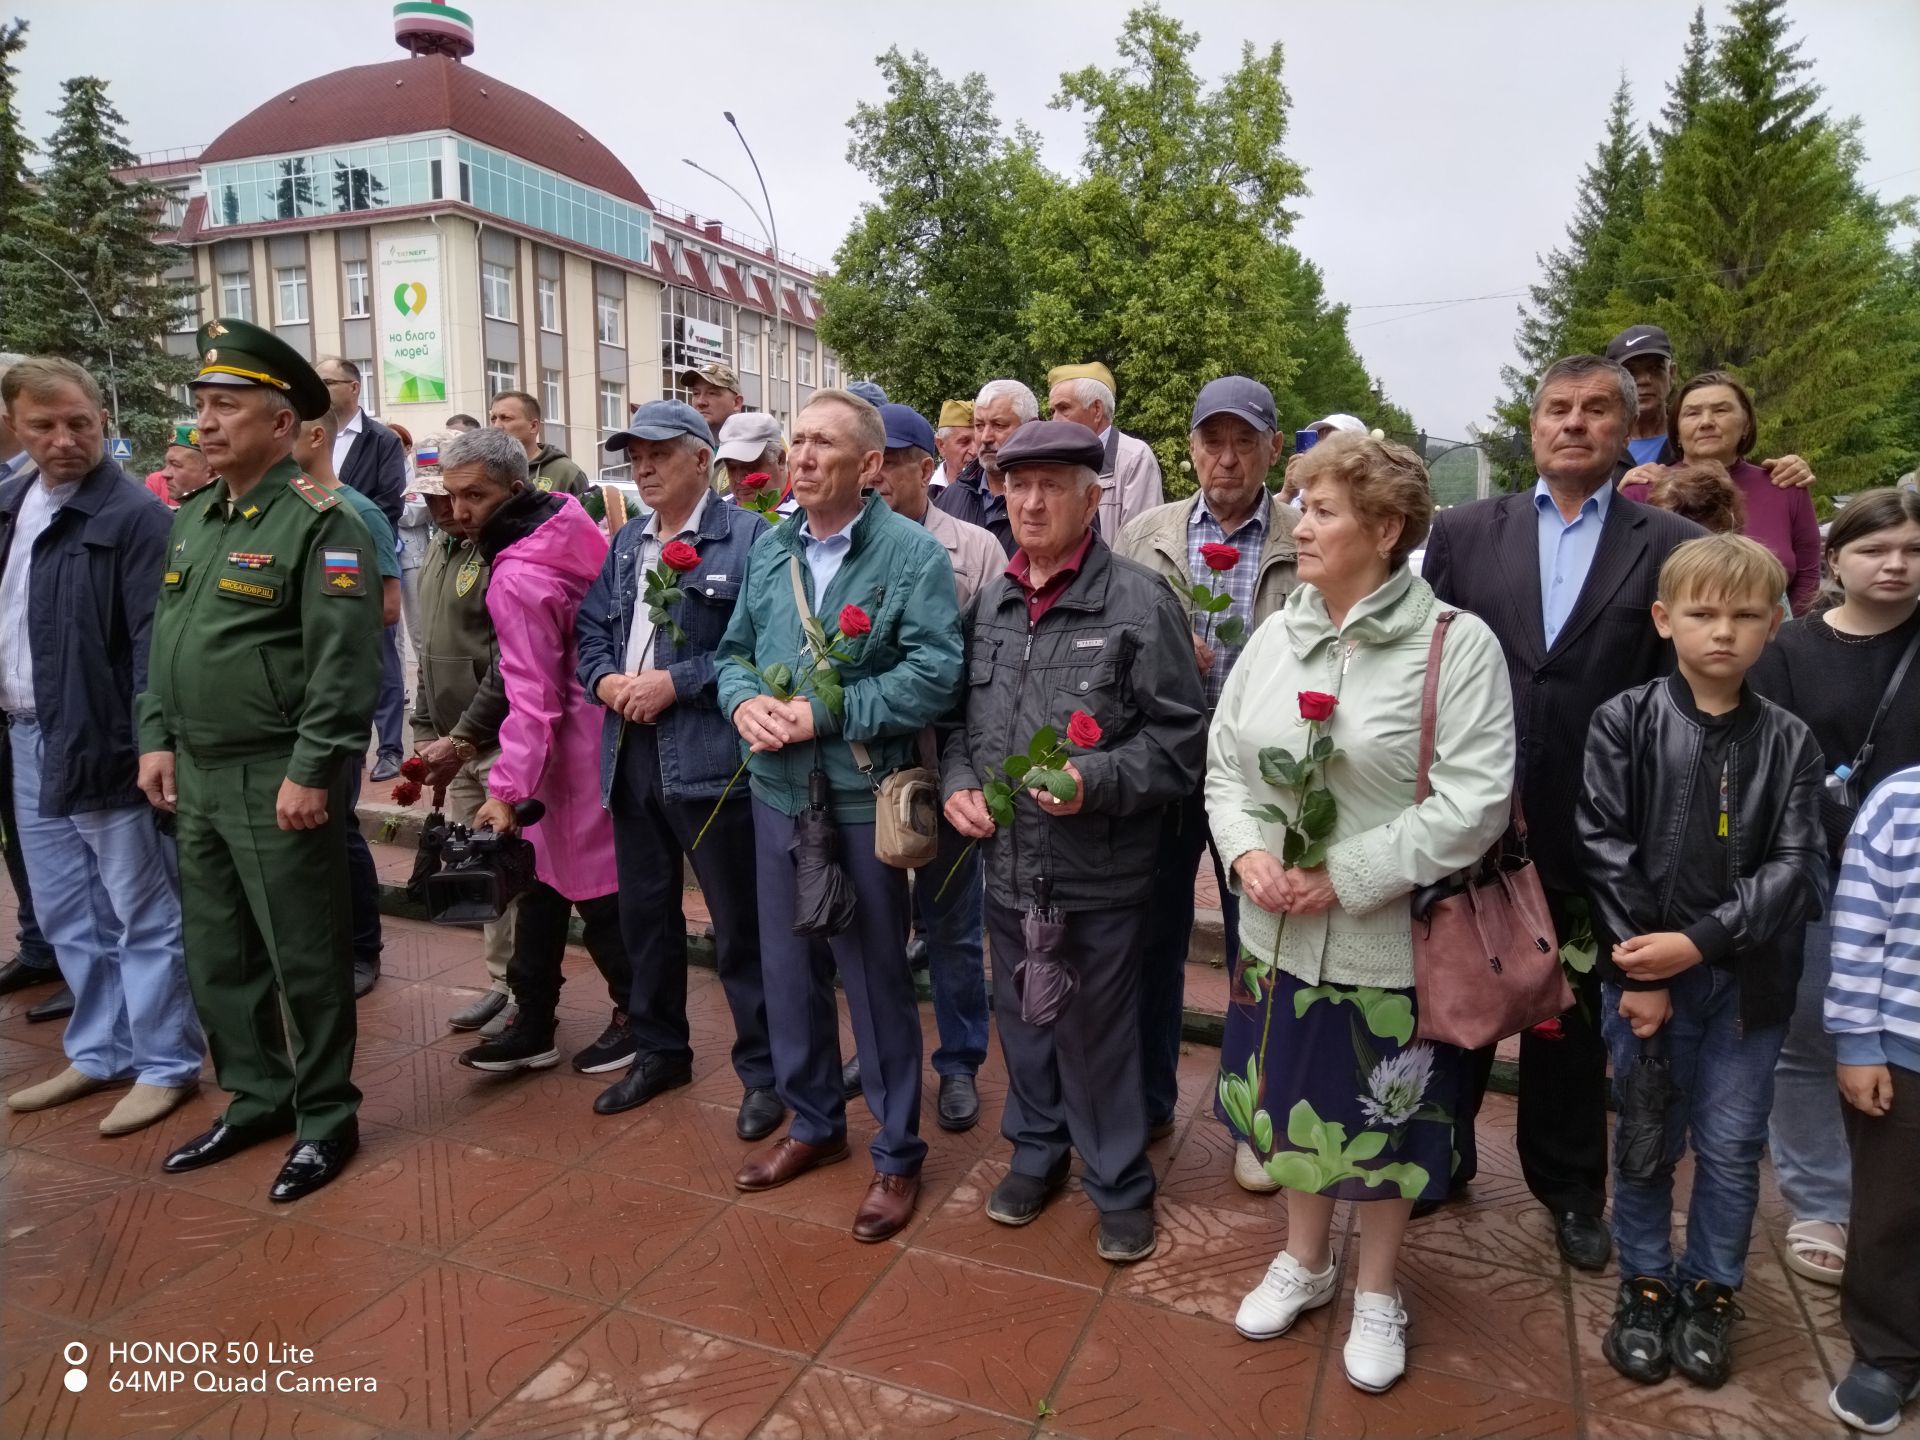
{"points": [[869, 430], [1025, 406], [1088, 391], [494, 451], [945, 430], [1579, 367]]}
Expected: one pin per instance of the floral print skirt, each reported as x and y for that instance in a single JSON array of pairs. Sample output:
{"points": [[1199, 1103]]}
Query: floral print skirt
{"points": [[1340, 1100]]}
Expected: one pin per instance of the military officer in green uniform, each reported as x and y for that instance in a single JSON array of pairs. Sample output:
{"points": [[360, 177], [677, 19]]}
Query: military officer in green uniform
{"points": [[264, 669]]}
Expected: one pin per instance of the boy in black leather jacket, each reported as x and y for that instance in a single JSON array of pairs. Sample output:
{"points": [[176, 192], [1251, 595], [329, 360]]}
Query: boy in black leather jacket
{"points": [[1699, 826]]}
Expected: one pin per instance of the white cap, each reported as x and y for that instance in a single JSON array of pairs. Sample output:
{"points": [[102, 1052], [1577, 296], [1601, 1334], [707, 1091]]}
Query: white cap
{"points": [[746, 436], [1339, 420]]}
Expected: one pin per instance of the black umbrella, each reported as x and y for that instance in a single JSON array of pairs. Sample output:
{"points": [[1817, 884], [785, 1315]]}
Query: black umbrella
{"points": [[823, 895], [1043, 980], [1645, 1092]]}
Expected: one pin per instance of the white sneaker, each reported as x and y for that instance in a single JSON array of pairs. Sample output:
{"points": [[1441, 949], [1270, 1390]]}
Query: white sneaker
{"points": [[1249, 1173], [1288, 1291], [1376, 1353]]}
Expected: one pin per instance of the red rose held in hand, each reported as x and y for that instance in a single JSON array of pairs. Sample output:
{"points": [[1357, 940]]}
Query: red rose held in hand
{"points": [[679, 556], [1083, 730], [754, 481], [406, 792], [414, 768], [854, 622], [1317, 705], [1220, 557]]}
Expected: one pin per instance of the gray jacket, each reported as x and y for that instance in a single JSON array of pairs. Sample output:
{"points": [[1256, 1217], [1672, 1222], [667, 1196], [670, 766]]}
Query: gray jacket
{"points": [[1115, 644]]}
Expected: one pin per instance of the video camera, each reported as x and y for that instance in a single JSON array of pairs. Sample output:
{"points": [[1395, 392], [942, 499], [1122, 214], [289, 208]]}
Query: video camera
{"points": [[481, 872]]}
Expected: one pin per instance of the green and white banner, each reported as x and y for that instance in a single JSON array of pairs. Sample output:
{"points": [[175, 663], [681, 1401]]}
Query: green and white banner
{"points": [[413, 337]]}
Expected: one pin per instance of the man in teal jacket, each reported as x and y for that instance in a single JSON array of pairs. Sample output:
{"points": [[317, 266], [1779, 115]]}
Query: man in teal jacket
{"points": [[848, 552]]}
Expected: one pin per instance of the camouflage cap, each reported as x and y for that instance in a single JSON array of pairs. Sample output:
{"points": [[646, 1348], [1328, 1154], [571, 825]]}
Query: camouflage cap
{"points": [[713, 373]]}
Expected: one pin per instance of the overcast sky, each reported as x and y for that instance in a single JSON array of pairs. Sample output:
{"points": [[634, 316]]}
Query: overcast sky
{"points": [[1442, 143]]}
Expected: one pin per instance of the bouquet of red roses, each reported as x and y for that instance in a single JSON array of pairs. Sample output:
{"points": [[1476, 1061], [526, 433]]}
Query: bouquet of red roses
{"points": [[1219, 559], [663, 587], [1041, 766]]}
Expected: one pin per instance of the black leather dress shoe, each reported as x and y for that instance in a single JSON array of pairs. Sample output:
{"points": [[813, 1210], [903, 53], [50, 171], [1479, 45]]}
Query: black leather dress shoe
{"points": [[57, 1006], [850, 1078], [17, 974], [648, 1076], [366, 974], [760, 1115], [220, 1143], [1583, 1240], [313, 1163], [959, 1107]]}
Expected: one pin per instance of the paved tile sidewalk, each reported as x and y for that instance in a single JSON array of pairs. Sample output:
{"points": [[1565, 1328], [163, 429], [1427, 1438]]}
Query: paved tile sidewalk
{"points": [[507, 1264]]}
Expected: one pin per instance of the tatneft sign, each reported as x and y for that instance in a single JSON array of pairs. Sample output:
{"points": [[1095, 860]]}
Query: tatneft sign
{"points": [[702, 336], [413, 344]]}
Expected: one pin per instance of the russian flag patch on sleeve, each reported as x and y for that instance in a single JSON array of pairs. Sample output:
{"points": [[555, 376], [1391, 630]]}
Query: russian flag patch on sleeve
{"points": [[340, 572]]}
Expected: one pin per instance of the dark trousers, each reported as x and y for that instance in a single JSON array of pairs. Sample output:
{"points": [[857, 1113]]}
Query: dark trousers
{"points": [[363, 881], [1561, 1130], [34, 949], [802, 1019], [651, 834], [1164, 943], [1880, 1294], [1076, 1083], [949, 911], [540, 944]]}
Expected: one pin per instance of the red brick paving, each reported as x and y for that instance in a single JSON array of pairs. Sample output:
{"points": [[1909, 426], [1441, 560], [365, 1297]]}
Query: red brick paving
{"points": [[507, 1264]]}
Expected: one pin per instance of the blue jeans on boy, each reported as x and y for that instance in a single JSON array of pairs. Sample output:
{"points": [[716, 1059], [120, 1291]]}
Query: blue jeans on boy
{"points": [[955, 963], [110, 906], [1723, 1089]]}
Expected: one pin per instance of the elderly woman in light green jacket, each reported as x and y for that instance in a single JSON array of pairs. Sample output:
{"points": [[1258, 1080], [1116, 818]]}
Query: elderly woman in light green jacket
{"points": [[1322, 1082]]}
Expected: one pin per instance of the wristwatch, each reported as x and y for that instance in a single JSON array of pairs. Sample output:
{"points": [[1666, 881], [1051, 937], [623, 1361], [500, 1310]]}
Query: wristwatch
{"points": [[465, 749]]}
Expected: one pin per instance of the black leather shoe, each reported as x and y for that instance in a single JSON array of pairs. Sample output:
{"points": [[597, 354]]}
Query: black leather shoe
{"points": [[366, 974], [479, 1012], [222, 1142], [56, 1006], [313, 1163], [650, 1075], [850, 1078], [17, 974], [1583, 1240], [760, 1115], [959, 1103], [919, 957], [387, 767]]}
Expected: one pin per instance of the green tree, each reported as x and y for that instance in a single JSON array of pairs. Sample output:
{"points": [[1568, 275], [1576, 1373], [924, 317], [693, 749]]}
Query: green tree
{"points": [[1167, 259], [924, 292], [100, 230], [1690, 87], [1567, 309], [15, 192], [1761, 254]]}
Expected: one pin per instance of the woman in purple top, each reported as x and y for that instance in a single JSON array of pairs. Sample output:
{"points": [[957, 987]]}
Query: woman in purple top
{"points": [[1711, 418]]}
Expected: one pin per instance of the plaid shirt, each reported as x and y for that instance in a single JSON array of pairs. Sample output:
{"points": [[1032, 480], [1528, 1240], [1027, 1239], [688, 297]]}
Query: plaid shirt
{"points": [[1250, 539]]}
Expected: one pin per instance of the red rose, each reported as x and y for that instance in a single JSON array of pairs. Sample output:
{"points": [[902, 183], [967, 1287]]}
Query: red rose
{"points": [[414, 768], [1317, 705], [1083, 730], [854, 622], [679, 556], [1549, 1029], [753, 481], [406, 792], [1220, 557]]}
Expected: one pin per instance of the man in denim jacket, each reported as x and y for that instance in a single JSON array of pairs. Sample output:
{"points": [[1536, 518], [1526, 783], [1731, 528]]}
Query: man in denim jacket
{"points": [[667, 755]]}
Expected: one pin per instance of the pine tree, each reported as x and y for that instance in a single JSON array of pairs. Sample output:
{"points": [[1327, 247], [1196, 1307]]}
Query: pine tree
{"points": [[1567, 311], [16, 193], [100, 230], [1690, 87], [1761, 254]]}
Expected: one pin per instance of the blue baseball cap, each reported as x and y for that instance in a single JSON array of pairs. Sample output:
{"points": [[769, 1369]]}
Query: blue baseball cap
{"points": [[662, 420], [867, 391], [907, 428]]}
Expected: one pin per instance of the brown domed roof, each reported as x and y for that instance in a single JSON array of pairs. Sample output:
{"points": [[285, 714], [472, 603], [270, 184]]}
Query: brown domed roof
{"points": [[424, 93]]}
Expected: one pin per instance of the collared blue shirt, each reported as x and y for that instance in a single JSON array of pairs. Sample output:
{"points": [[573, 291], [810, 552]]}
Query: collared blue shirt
{"points": [[1566, 553], [1250, 538], [825, 556]]}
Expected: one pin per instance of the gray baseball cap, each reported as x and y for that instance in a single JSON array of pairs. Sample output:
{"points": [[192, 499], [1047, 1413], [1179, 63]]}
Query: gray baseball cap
{"points": [[1236, 395], [662, 420], [747, 435]]}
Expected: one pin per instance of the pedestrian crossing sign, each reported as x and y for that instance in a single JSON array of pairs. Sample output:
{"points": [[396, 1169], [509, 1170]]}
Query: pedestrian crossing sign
{"points": [[120, 448]]}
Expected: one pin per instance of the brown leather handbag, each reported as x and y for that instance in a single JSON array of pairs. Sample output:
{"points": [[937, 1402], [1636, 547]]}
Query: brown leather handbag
{"points": [[1486, 962]]}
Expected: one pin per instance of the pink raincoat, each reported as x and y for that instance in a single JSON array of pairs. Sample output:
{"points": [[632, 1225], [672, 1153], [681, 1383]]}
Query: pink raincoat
{"points": [[550, 741]]}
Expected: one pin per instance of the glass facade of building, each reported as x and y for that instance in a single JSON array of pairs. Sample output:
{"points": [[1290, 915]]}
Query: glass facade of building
{"points": [[326, 182], [501, 185]]}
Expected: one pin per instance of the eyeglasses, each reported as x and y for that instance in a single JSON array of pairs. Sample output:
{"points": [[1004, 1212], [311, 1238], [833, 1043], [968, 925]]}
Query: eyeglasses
{"points": [[332, 383]]}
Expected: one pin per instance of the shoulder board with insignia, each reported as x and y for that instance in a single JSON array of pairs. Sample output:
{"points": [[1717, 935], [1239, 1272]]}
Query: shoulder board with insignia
{"points": [[317, 496]]}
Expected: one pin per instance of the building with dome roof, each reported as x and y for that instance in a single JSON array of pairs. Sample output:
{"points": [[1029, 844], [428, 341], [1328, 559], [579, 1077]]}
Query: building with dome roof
{"points": [[455, 237]]}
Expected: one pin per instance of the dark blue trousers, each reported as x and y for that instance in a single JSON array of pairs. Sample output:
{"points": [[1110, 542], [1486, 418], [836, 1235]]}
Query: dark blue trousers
{"points": [[802, 1020], [651, 835]]}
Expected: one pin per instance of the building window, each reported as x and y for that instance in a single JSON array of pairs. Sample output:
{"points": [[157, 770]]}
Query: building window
{"points": [[777, 359], [695, 330], [186, 318], [541, 200], [496, 290], [359, 290], [369, 392], [290, 290], [613, 407], [606, 310], [324, 182], [502, 375], [749, 354], [549, 292], [830, 371], [806, 367], [236, 295], [552, 402]]}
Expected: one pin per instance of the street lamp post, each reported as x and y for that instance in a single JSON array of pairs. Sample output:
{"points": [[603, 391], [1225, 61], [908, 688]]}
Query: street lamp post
{"points": [[113, 379], [773, 230]]}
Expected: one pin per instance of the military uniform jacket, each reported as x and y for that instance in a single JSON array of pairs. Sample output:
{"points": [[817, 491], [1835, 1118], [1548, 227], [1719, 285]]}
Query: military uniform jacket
{"points": [[266, 637]]}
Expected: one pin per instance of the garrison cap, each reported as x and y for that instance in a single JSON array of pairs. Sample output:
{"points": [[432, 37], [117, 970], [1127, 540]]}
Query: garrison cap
{"points": [[1093, 370], [1051, 442], [234, 352], [956, 412], [186, 433], [713, 373]]}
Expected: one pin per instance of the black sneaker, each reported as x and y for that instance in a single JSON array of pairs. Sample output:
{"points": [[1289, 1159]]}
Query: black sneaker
{"points": [[1702, 1344], [1636, 1342], [1869, 1399], [614, 1050], [523, 1045]]}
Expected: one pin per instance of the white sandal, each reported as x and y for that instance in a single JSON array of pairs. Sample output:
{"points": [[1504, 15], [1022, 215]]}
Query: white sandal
{"points": [[1805, 1240]]}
